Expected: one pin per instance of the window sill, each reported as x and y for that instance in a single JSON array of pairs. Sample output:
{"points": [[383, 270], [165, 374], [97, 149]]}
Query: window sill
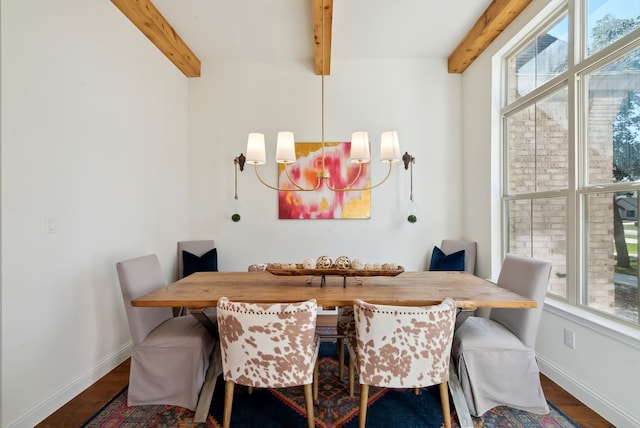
{"points": [[618, 331]]}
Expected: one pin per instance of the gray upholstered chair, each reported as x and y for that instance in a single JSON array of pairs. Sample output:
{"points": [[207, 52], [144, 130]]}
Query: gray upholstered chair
{"points": [[268, 346], [449, 246], [195, 249], [495, 356], [401, 347], [170, 355]]}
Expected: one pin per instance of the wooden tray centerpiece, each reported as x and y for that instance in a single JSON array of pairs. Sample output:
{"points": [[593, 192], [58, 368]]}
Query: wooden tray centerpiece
{"points": [[324, 266]]}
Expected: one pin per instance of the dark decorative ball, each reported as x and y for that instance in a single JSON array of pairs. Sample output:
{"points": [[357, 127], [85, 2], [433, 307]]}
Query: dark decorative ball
{"points": [[235, 217], [412, 218]]}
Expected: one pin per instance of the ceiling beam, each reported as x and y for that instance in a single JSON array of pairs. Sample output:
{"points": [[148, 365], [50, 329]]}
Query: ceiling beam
{"points": [[322, 35], [493, 21], [150, 21]]}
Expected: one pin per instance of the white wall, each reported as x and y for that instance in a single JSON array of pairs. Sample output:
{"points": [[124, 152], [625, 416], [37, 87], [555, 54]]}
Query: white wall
{"points": [[416, 97], [95, 123], [603, 370], [94, 127]]}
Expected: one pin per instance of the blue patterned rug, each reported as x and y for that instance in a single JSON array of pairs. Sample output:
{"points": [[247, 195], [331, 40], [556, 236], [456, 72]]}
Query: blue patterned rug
{"points": [[284, 408]]}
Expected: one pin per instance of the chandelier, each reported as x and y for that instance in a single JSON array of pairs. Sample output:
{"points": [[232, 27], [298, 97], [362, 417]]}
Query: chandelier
{"points": [[286, 153]]}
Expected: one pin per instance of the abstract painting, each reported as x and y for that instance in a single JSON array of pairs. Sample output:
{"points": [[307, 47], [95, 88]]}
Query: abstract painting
{"points": [[324, 203]]}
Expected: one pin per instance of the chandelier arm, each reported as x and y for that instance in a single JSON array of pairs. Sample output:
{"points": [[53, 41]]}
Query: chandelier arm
{"points": [[347, 189], [277, 188]]}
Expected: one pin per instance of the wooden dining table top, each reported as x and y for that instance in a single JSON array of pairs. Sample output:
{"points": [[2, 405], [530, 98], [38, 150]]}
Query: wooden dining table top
{"points": [[204, 289]]}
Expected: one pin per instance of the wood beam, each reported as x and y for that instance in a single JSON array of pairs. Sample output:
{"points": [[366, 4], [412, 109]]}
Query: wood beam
{"points": [[150, 21], [493, 21], [322, 35]]}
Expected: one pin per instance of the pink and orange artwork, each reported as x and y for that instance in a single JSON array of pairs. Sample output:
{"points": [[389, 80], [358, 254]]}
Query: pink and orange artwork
{"points": [[324, 203]]}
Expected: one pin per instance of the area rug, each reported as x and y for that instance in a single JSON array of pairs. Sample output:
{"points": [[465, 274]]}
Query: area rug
{"points": [[284, 408]]}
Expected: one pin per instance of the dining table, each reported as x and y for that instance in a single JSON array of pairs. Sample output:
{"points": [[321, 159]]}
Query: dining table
{"points": [[202, 290]]}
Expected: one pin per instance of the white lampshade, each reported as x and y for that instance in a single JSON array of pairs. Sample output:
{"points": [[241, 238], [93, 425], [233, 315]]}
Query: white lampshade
{"points": [[360, 147], [389, 147], [255, 149], [285, 148]]}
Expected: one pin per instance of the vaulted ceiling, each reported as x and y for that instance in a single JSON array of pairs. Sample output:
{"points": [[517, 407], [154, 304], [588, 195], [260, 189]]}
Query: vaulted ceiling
{"points": [[191, 31]]}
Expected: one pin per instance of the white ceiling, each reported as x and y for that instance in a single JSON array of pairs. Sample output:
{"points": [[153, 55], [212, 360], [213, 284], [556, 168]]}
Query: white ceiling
{"points": [[273, 30]]}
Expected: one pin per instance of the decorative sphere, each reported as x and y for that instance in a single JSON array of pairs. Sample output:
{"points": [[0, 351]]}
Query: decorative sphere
{"points": [[412, 218], [357, 264], [309, 263], [235, 217], [324, 262], [343, 262]]}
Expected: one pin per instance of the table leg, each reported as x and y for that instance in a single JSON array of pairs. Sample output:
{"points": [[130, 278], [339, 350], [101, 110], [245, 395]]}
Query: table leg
{"points": [[205, 321], [208, 387], [457, 396]]}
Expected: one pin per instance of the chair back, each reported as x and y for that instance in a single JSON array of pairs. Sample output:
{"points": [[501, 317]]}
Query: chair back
{"points": [[257, 267], [529, 278], [345, 324], [268, 345], [197, 248], [449, 246], [402, 346], [139, 276]]}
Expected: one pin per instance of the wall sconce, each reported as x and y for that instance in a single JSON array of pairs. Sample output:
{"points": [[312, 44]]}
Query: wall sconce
{"points": [[412, 216], [238, 161]]}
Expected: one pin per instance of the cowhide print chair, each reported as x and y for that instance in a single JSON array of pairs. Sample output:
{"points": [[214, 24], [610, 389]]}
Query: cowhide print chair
{"points": [[345, 327], [268, 346], [402, 347], [257, 267]]}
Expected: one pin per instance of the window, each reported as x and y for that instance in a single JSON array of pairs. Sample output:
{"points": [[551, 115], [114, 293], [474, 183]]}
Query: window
{"points": [[539, 61], [610, 20], [571, 144]]}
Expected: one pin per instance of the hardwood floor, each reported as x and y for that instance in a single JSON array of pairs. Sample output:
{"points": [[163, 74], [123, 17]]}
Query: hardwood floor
{"points": [[87, 403], [82, 407]]}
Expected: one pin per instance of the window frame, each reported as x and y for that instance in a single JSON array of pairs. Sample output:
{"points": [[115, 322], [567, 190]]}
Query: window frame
{"points": [[578, 65]]}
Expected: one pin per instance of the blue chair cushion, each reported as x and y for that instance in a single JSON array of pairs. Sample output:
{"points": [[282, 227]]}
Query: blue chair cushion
{"points": [[191, 263], [442, 261]]}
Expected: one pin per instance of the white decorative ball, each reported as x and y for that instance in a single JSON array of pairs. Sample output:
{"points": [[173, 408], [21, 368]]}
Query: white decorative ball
{"points": [[368, 266], [357, 264], [343, 262], [386, 266], [377, 266], [309, 263], [324, 262]]}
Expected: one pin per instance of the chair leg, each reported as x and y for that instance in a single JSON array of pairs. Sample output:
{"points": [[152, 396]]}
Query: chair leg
{"points": [[351, 376], [308, 398], [444, 400], [228, 402], [316, 370], [364, 398], [417, 391], [340, 343]]}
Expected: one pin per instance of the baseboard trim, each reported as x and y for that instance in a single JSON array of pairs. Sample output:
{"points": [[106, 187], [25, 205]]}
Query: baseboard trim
{"points": [[605, 408], [39, 412]]}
